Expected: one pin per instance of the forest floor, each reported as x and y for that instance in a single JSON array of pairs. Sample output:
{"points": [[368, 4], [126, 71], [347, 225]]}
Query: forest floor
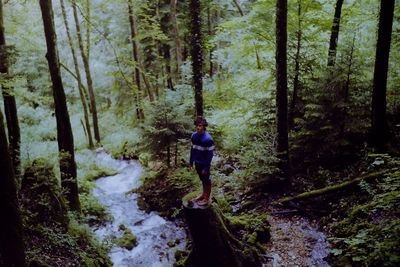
{"points": [[296, 241]]}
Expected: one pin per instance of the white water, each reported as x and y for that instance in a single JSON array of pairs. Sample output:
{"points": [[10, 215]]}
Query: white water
{"points": [[152, 231]]}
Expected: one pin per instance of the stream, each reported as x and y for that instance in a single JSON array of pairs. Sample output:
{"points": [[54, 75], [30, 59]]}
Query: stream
{"points": [[152, 231]]}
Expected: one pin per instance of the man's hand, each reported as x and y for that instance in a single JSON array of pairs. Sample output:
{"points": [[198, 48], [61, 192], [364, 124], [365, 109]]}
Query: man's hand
{"points": [[204, 172], [190, 167]]}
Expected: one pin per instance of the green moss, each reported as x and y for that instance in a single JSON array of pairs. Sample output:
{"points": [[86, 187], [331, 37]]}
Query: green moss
{"points": [[128, 240], [181, 257], [171, 244]]}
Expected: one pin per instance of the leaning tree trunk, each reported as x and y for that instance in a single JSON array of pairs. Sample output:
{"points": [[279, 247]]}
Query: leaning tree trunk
{"points": [[196, 53], [213, 244], [335, 33], [10, 107], [88, 74], [380, 128], [12, 248], [78, 76], [64, 131], [135, 53], [281, 87]]}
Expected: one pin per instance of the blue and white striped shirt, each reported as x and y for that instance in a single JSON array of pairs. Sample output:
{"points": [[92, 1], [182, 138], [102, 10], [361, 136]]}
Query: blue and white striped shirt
{"points": [[202, 149]]}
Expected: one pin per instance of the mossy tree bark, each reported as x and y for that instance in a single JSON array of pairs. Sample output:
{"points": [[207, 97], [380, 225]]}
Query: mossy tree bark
{"points": [[380, 129], [78, 77], [342, 187], [177, 40], [12, 249], [64, 131], [213, 244], [10, 107]]}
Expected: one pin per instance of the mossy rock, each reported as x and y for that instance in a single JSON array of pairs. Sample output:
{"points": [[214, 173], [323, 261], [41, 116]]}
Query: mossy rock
{"points": [[128, 240], [40, 184]]}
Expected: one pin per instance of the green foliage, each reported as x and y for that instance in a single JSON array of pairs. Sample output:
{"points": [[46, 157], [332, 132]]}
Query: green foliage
{"points": [[168, 121], [369, 235]]}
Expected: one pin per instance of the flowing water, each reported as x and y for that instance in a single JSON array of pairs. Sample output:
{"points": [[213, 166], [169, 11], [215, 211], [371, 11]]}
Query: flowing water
{"points": [[152, 231]]}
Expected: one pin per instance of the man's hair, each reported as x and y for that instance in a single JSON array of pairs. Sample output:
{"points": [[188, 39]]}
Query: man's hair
{"points": [[200, 120]]}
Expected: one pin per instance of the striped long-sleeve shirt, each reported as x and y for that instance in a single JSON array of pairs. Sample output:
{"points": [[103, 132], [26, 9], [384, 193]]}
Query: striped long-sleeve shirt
{"points": [[202, 149]]}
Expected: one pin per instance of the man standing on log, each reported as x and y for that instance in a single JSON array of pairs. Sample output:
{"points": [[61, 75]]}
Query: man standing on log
{"points": [[201, 154]]}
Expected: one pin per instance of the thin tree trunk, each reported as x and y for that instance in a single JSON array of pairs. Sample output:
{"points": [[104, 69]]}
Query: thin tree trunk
{"points": [[164, 25], [296, 68], [218, 67], [177, 40], [346, 89], [335, 33], [10, 107], [88, 29], [238, 7], [86, 65], [196, 53], [140, 68], [132, 22], [281, 86], [78, 76], [64, 131], [210, 31], [380, 128], [12, 248]]}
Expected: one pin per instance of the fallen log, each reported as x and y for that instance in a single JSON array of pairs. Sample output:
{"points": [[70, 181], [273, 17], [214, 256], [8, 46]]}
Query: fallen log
{"points": [[333, 188]]}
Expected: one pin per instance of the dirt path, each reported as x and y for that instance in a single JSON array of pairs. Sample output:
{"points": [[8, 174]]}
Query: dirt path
{"points": [[295, 241]]}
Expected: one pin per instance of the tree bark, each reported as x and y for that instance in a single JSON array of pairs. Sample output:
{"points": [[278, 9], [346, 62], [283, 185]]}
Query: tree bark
{"points": [[238, 7], [78, 76], [213, 244], [177, 40], [380, 128], [10, 107], [335, 33], [334, 188], [12, 248], [196, 53], [282, 147], [86, 65], [135, 52], [64, 131]]}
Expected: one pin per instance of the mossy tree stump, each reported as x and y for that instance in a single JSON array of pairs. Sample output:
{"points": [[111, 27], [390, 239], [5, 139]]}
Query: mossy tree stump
{"points": [[212, 243]]}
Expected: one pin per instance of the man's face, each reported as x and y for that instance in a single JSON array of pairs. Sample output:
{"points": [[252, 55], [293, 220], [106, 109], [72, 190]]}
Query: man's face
{"points": [[200, 128]]}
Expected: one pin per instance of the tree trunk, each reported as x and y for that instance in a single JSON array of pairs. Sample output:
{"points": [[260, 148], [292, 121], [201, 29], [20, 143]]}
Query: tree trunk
{"points": [[238, 7], [281, 87], [86, 65], [196, 53], [335, 189], [177, 40], [10, 107], [64, 131], [218, 15], [380, 128], [12, 248], [132, 22], [334, 33], [210, 32], [78, 77], [213, 244], [296, 68]]}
